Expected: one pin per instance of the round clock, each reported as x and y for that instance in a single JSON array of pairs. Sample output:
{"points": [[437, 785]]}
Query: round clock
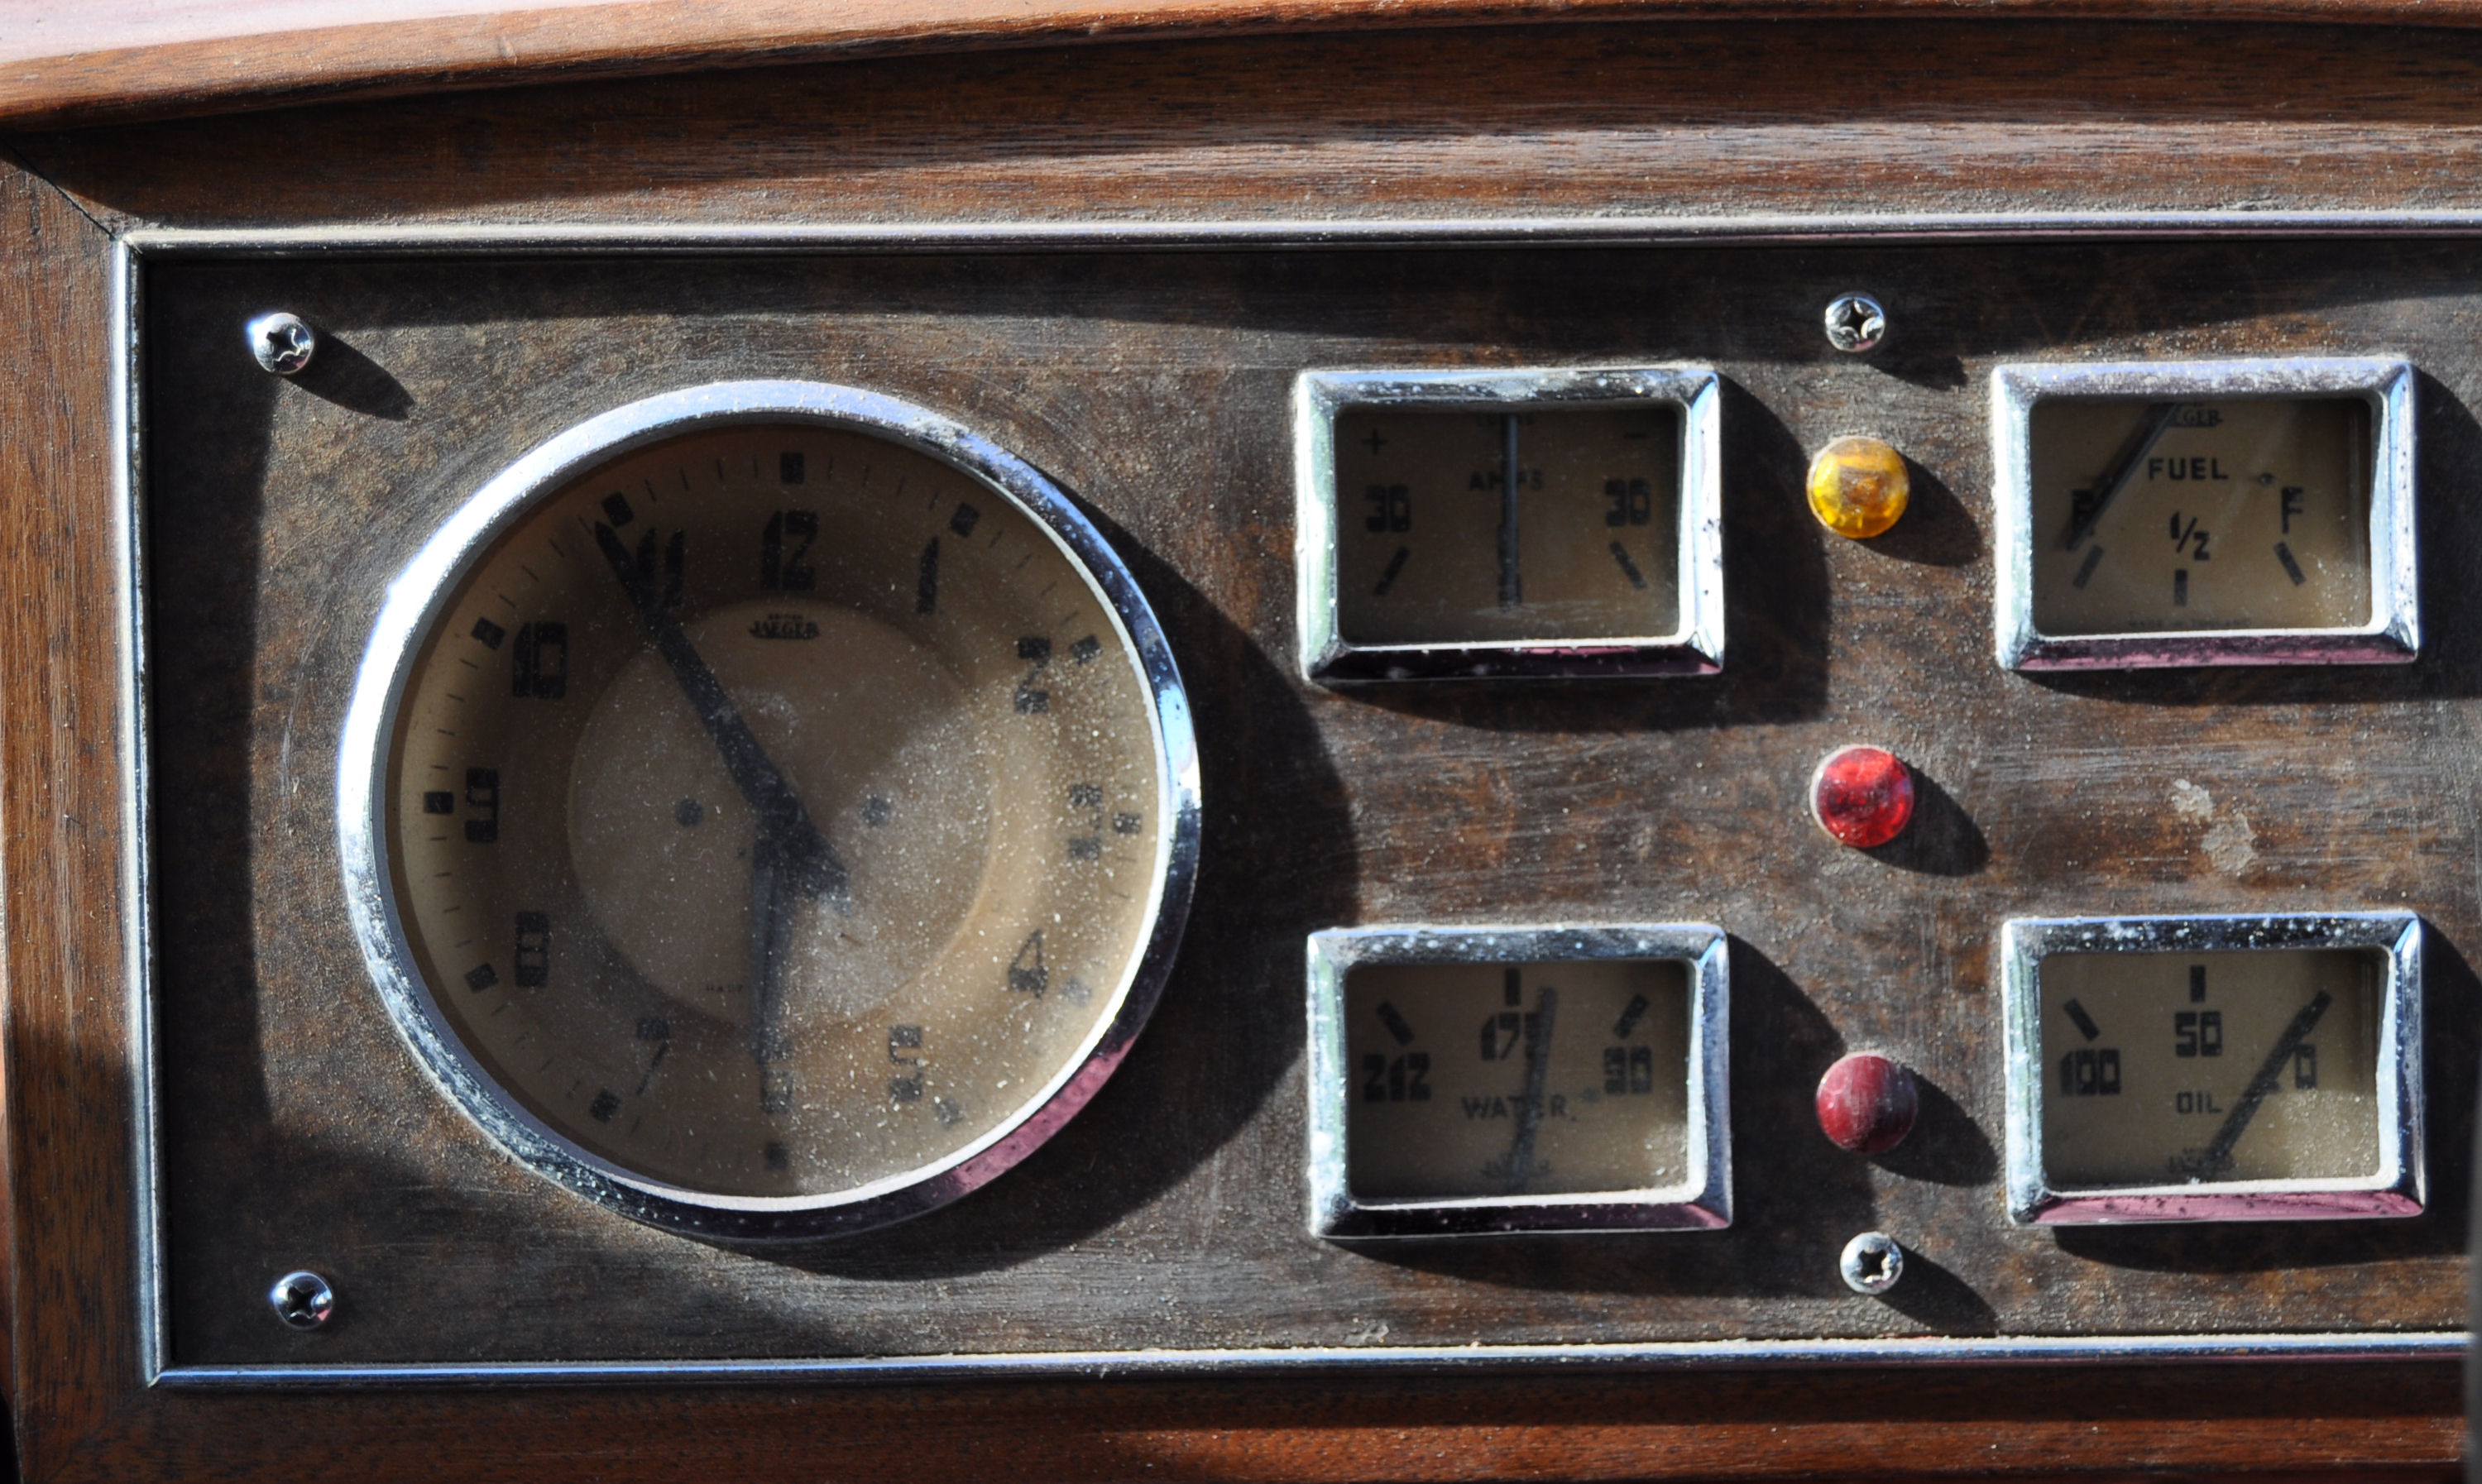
{"points": [[768, 809]]}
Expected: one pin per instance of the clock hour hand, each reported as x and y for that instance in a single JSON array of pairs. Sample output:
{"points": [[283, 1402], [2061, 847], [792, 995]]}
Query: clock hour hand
{"points": [[2108, 488], [770, 940], [802, 853]]}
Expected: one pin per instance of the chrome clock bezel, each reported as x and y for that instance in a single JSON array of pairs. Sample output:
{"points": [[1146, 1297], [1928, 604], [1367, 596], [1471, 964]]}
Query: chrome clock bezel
{"points": [[420, 595]]}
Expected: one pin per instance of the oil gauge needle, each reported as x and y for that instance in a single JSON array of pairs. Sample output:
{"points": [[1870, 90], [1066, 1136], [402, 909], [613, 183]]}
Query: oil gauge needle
{"points": [[2216, 1159], [2108, 488]]}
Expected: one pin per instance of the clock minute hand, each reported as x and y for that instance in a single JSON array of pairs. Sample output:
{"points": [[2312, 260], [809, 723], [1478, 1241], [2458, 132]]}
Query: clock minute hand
{"points": [[2108, 488], [803, 851]]}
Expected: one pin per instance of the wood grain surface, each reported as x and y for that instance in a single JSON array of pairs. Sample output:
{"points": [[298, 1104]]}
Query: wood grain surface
{"points": [[1562, 120], [72, 1299], [1559, 123], [128, 59], [1170, 1215]]}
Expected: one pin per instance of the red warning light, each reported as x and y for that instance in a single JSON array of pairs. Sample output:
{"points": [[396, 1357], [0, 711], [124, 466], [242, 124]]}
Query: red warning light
{"points": [[1866, 1104], [1862, 796]]}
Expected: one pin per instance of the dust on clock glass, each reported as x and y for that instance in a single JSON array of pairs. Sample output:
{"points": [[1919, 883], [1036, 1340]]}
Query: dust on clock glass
{"points": [[1481, 1089], [2204, 514], [2184, 1071], [778, 811], [1507, 523]]}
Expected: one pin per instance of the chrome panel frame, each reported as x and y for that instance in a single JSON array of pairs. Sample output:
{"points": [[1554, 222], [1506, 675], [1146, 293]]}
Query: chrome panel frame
{"points": [[144, 1263], [1696, 644], [2398, 1189], [430, 582], [2015, 1350], [2391, 635], [1702, 1202]]}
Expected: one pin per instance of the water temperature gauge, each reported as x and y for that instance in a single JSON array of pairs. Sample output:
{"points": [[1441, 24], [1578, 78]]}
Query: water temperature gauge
{"points": [[1507, 523], [2214, 1068], [1480, 1080], [2202, 514]]}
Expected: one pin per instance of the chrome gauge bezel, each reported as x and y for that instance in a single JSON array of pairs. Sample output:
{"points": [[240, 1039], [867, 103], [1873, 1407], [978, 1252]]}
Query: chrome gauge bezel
{"points": [[2398, 1187], [2391, 634], [1694, 647], [421, 593], [1703, 1202]]}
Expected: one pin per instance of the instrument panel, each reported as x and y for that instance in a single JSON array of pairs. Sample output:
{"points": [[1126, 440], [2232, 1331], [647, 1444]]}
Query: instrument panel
{"points": [[1500, 588]]}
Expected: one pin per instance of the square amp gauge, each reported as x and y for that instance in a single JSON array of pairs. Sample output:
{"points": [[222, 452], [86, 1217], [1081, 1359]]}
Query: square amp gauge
{"points": [[1479, 1080], [2205, 513], [2213, 1069], [1463, 524]]}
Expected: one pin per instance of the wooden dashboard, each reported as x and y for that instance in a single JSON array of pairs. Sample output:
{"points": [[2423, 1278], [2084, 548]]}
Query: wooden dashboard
{"points": [[1108, 243]]}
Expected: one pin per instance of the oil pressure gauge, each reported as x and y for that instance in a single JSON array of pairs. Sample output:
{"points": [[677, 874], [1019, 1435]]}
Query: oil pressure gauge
{"points": [[1468, 1081], [2213, 1069], [768, 809], [2232, 513], [1507, 523]]}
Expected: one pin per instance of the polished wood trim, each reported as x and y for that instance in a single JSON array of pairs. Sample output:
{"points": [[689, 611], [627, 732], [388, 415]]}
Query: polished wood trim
{"points": [[72, 1283], [119, 61], [1861, 1425], [1579, 121]]}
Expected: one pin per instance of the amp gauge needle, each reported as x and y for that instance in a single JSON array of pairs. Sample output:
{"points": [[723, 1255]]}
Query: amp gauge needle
{"points": [[789, 855], [2215, 1160], [2108, 488]]}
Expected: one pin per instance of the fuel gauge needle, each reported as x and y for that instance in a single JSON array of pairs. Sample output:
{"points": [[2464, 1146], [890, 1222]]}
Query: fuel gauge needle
{"points": [[2108, 488], [2216, 1158]]}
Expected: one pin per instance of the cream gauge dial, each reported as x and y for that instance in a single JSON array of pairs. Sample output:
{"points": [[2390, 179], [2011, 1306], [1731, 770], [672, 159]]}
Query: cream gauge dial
{"points": [[770, 809], [1471, 1081], [2205, 514]]}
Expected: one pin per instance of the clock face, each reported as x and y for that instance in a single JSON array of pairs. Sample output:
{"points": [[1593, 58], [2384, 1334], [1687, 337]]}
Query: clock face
{"points": [[779, 817]]}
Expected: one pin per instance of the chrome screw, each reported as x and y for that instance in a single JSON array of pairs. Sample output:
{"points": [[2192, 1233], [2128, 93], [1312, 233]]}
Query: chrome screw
{"points": [[281, 342], [1871, 1263], [303, 1300], [1856, 323]]}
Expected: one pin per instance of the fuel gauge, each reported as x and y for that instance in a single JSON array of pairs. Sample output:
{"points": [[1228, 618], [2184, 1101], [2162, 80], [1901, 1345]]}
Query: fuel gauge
{"points": [[2204, 513]]}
